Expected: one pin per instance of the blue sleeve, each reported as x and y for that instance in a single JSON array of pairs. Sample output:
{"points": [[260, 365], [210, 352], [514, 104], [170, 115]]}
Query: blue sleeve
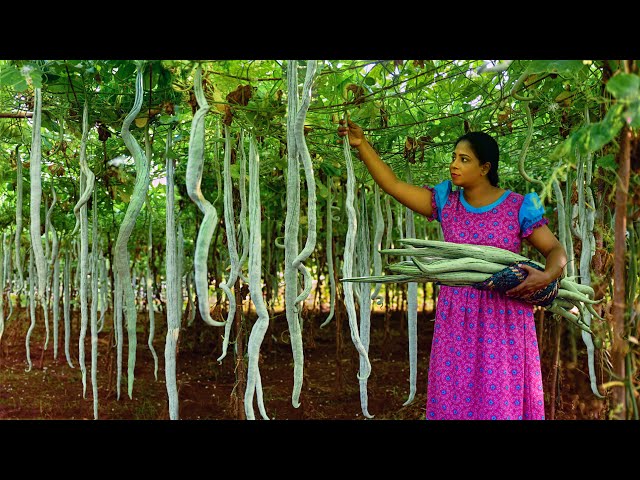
{"points": [[531, 214], [440, 194]]}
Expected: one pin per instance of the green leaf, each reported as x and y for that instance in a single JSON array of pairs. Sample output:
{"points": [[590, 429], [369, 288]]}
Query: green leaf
{"points": [[562, 67], [48, 122], [36, 78], [321, 190], [632, 114], [561, 150], [370, 81], [9, 75], [566, 148], [624, 86], [21, 86], [330, 170], [608, 161], [58, 87], [601, 133], [172, 154], [234, 171], [167, 119]]}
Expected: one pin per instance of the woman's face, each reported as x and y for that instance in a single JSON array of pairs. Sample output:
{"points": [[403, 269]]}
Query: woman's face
{"points": [[465, 166]]}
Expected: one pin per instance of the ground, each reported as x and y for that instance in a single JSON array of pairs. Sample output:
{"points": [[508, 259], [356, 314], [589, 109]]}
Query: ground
{"points": [[52, 389]]}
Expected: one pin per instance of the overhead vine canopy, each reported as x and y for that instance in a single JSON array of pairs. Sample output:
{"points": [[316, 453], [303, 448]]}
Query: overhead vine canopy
{"points": [[412, 109], [547, 116]]}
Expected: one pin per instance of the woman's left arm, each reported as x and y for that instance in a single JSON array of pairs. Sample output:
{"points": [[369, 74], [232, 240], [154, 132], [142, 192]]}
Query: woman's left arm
{"points": [[548, 245]]}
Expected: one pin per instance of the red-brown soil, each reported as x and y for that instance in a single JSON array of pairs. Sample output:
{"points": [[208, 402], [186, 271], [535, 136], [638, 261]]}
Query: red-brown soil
{"points": [[54, 390]]}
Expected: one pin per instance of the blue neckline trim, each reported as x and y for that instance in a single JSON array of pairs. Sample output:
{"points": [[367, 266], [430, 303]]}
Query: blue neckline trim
{"points": [[486, 208]]}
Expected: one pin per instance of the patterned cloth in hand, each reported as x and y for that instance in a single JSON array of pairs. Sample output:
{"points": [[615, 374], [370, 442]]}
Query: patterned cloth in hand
{"points": [[512, 276]]}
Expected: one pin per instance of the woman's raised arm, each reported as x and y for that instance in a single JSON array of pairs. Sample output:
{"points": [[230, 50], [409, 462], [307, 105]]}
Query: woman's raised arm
{"points": [[416, 198]]}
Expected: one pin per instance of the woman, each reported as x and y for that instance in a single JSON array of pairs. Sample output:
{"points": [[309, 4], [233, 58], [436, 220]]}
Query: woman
{"points": [[484, 361]]}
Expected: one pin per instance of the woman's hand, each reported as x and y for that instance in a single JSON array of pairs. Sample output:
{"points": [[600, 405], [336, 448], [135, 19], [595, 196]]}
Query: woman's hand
{"points": [[354, 131], [536, 280]]}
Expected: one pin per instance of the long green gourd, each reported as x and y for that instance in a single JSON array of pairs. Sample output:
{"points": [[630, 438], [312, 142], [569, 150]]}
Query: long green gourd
{"points": [[121, 259], [8, 271], [104, 290], [184, 278], [149, 284], [180, 262], [2, 283], [244, 229], [117, 327], [412, 311], [86, 185], [296, 151], [118, 330], [174, 310], [441, 249], [228, 286], [32, 311], [67, 305], [388, 243], [449, 265], [562, 230], [363, 266], [94, 302], [47, 224], [400, 209], [134, 283], [291, 230], [563, 309], [86, 175], [329, 251], [568, 206], [377, 241], [586, 221], [291, 236], [190, 303], [255, 287], [347, 261], [35, 171], [46, 294], [148, 275], [19, 201], [76, 276], [6, 257], [216, 162], [54, 271], [6, 279], [477, 270], [389, 227], [195, 165], [303, 154]]}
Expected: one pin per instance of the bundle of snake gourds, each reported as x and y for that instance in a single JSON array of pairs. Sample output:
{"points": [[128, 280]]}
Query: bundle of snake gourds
{"points": [[459, 264]]}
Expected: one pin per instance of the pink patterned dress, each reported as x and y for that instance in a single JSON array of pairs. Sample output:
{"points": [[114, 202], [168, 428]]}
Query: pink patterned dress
{"points": [[484, 362]]}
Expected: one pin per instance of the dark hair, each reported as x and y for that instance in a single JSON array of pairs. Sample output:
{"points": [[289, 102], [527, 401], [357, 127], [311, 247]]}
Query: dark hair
{"points": [[486, 149]]}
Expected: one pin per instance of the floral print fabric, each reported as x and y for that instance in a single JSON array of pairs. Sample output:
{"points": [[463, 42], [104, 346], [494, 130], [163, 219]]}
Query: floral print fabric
{"points": [[484, 362]]}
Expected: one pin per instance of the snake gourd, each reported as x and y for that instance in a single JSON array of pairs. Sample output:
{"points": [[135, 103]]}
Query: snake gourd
{"points": [[124, 291], [174, 297], [255, 289], [195, 166]]}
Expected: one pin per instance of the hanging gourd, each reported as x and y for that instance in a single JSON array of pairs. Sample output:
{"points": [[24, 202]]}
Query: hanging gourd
{"points": [[254, 385], [124, 291], [195, 165], [296, 152], [174, 296]]}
